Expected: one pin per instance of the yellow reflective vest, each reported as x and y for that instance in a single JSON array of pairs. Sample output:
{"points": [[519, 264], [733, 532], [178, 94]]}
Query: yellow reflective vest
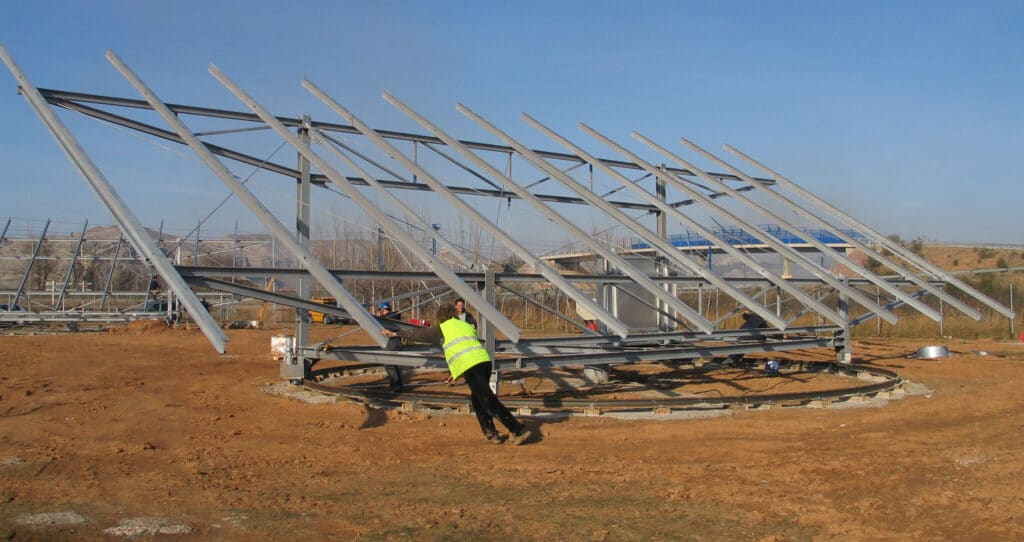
{"points": [[462, 349]]}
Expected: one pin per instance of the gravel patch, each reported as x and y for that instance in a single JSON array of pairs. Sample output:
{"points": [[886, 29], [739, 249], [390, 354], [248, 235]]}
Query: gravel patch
{"points": [[51, 518], [132, 527], [287, 389]]}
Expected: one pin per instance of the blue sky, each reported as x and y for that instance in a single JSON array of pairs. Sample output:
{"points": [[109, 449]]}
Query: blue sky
{"points": [[908, 115]]}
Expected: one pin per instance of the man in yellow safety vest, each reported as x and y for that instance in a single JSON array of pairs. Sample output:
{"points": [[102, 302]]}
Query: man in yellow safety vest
{"points": [[467, 357]]}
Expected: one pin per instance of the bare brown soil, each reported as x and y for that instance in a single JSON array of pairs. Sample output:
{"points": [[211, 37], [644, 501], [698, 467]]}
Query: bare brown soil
{"points": [[143, 422]]}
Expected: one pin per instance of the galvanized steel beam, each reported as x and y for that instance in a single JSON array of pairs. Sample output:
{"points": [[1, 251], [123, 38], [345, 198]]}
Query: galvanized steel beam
{"points": [[665, 248], [879, 238], [801, 259], [875, 279], [670, 211], [620, 263], [280, 232], [410, 214], [542, 267], [129, 224], [385, 222], [779, 247]]}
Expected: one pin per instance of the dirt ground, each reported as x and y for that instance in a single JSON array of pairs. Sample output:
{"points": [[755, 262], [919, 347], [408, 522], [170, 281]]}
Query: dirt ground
{"points": [[149, 433]]}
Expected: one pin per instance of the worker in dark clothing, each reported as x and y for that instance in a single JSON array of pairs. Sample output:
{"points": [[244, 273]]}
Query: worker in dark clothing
{"points": [[384, 311], [460, 308], [750, 321], [394, 372], [467, 357]]}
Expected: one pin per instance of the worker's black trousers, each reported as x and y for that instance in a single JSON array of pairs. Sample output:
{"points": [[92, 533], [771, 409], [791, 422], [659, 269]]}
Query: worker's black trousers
{"points": [[485, 404]]}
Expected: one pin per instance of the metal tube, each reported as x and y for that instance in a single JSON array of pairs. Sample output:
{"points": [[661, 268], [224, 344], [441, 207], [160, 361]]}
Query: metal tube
{"points": [[878, 281], [723, 244], [663, 246], [781, 247], [129, 224], [110, 273], [542, 267], [31, 262], [303, 320], [149, 279], [71, 268], [280, 232], [410, 214], [53, 95], [382, 219], [625, 267], [894, 247]]}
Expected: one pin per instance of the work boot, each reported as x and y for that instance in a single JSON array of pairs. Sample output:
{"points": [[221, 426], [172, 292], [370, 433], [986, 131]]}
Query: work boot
{"points": [[495, 438], [520, 437]]}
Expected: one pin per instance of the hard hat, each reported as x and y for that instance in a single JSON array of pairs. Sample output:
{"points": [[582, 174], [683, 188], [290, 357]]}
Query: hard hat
{"points": [[385, 305], [771, 367]]}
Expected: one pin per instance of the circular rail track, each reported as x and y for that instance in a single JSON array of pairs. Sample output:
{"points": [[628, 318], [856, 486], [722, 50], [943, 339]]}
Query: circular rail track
{"points": [[629, 389]]}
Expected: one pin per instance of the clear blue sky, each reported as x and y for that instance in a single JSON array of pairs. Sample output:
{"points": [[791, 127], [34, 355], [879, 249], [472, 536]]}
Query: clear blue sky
{"points": [[908, 115]]}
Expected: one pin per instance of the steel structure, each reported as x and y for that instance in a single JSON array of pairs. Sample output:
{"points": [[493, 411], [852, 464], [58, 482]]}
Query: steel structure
{"points": [[684, 331]]}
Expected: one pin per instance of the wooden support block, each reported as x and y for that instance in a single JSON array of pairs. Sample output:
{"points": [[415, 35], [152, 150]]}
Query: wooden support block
{"points": [[525, 411], [663, 410], [464, 409], [592, 411]]}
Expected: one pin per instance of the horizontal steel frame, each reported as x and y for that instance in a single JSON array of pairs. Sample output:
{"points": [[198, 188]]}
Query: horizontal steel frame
{"points": [[59, 97], [667, 337], [432, 358], [188, 271], [317, 178]]}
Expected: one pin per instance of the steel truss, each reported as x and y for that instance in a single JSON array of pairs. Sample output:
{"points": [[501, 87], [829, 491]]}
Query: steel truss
{"points": [[682, 331]]}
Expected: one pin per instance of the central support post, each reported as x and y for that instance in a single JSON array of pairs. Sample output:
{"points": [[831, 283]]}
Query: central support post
{"points": [[302, 221]]}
